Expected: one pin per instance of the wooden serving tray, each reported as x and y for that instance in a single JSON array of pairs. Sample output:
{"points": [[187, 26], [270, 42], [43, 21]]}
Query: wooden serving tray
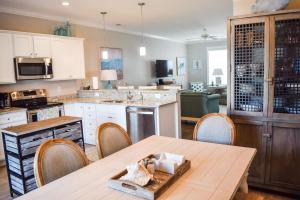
{"points": [[162, 181]]}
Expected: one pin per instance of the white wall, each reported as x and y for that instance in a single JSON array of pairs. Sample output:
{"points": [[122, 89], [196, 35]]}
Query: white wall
{"points": [[137, 70], [199, 51], [242, 7]]}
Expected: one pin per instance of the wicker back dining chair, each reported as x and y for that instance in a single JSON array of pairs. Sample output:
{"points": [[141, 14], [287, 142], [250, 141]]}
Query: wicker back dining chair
{"points": [[56, 158], [111, 138]]}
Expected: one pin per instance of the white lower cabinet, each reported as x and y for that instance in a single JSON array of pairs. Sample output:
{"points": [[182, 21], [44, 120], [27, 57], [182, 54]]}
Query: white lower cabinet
{"points": [[89, 121], [111, 113], [93, 115], [68, 108], [11, 119], [74, 109]]}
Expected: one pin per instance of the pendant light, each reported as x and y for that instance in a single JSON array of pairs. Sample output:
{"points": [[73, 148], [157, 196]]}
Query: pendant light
{"points": [[142, 47], [104, 53]]}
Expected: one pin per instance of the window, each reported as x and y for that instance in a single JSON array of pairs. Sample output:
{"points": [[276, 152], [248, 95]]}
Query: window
{"points": [[217, 65]]}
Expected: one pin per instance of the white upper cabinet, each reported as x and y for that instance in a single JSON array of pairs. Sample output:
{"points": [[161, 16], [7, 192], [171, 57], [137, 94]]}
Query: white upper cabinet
{"points": [[42, 46], [32, 46], [67, 54], [23, 45], [78, 62], [7, 72], [67, 59]]}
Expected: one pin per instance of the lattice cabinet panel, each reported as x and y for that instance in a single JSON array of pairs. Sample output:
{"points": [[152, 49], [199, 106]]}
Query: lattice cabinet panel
{"points": [[249, 66], [287, 67]]}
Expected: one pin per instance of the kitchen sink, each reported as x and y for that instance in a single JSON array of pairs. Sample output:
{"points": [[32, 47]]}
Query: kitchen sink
{"points": [[119, 101], [113, 101]]}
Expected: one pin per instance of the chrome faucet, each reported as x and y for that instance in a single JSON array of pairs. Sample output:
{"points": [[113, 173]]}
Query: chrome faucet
{"points": [[129, 96], [142, 96]]}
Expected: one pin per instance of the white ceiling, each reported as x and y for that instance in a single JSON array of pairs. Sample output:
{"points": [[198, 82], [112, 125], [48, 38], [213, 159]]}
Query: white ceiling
{"points": [[178, 20]]}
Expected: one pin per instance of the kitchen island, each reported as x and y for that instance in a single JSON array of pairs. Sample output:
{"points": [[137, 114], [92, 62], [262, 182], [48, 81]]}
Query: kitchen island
{"points": [[143, 103], [127, 113], [20, 144]]}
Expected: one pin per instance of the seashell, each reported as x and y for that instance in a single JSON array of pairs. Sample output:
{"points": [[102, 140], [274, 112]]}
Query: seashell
{"points": [[269, 5]]}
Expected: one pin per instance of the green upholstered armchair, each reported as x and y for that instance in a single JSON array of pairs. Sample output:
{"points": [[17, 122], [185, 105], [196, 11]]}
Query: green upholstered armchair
{"points": [[194, 105]]}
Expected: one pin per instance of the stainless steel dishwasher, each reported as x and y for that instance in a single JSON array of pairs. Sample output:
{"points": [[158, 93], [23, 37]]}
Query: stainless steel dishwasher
{"points": [[141, 122]]}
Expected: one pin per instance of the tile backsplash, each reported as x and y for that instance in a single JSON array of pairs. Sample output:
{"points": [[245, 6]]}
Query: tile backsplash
{"points": [[62, 97]]}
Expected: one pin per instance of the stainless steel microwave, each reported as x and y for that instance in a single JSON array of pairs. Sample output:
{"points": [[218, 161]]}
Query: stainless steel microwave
{"points": [[33, 68]]}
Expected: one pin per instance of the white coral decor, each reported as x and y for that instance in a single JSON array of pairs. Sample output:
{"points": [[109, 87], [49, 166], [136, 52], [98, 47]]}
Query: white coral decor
{"points": [[269, 5]]}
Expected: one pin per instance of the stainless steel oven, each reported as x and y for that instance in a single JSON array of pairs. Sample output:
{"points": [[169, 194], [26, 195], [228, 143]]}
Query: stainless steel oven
{"points": [[27, 68], [37, 105]]}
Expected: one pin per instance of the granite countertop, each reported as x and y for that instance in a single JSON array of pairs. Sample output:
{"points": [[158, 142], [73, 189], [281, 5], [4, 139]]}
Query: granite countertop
{"points": [[11, 110], [145, 103], [40, 125]]}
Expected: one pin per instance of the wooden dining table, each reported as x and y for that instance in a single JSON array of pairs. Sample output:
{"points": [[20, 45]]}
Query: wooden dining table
{"points": [[216, 172]]}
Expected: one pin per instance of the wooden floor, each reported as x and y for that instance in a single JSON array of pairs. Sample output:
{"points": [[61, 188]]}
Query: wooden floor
{"points": [[187, 130], [4, 190]]}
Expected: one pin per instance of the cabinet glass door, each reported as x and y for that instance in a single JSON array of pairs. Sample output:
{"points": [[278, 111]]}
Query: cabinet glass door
{"points": [[286, 70], [249, 64]]}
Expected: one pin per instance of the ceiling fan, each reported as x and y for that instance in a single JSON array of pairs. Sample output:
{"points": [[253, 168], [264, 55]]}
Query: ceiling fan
{"points": [[205, 36]]}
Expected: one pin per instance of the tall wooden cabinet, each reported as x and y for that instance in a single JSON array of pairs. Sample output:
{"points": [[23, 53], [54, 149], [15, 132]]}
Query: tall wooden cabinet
{"points": [[264, 95]]}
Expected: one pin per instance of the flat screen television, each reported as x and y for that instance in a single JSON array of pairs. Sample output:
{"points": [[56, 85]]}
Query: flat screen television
{"points": [[164, 68]]}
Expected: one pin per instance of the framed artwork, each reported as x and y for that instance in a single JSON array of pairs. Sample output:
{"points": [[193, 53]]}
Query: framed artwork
{"points": [[181, 66], [114, 61], [197, 64]]}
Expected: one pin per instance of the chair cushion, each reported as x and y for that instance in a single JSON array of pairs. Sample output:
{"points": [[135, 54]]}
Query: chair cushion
{"points": [[215, 129]]}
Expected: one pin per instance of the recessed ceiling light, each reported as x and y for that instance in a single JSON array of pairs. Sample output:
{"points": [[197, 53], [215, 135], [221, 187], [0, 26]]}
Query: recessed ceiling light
{"points": [[65, 3]]}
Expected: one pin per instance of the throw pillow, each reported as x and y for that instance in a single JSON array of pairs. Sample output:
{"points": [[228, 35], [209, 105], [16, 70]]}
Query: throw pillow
{"points": [[197, 86]]}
